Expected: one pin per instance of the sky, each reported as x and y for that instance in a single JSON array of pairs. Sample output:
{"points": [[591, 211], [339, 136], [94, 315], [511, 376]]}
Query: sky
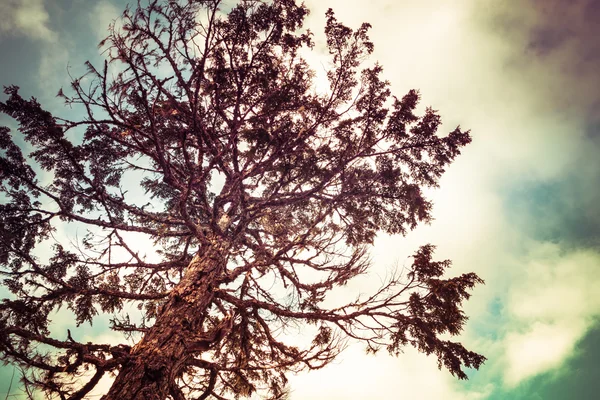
{"points": [[519, 207]]}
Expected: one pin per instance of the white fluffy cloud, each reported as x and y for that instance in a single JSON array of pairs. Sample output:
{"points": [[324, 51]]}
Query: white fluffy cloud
{"points": [[25, 17], [551, 306], [356, 376], [541, 348], [558, 285], [31, 19]]}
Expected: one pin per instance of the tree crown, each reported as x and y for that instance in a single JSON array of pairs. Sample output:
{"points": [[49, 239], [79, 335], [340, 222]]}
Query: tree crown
{"points": [[213, 116]]}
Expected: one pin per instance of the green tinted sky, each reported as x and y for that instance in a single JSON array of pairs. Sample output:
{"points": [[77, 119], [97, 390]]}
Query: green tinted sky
{"points": [[520, 207]]}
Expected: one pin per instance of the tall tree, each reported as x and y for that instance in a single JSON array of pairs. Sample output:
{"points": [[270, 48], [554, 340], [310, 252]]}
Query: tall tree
{"points": [[261, 196]]}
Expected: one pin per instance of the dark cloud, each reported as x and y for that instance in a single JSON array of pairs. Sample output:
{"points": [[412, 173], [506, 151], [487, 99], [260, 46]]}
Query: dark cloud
{"points": [[555, 45], [559, 22]]}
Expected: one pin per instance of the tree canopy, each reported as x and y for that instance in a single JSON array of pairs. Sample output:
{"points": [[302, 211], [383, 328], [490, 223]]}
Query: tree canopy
{"points": [[226, 198]]}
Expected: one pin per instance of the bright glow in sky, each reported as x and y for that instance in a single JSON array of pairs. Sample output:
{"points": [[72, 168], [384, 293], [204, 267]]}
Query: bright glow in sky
{"points": [[519, 207]]}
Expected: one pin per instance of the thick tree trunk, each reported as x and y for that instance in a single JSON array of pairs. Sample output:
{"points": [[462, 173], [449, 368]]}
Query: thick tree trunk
{"points": [[158, 360]]}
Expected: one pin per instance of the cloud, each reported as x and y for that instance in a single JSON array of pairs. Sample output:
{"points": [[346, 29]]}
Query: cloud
{"points": [[552, 306], [31, 19], [356, 376], [101, 16], [543, 347], [560, 47], [558, 285], [552, 301], [26, 17], [52, 71]]}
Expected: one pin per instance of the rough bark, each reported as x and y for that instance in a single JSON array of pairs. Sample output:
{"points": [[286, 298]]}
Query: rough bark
{"points": [[159, 359]]}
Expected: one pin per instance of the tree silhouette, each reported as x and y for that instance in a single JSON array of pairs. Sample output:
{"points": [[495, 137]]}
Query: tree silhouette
{"points": [[260, 196]]}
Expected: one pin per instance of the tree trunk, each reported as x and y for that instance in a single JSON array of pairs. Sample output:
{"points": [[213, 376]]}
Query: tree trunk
{"points": [[158, 360]]}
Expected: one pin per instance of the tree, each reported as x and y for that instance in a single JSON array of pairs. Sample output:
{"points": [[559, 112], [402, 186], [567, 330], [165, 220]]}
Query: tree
{"points": [[191, 96]]}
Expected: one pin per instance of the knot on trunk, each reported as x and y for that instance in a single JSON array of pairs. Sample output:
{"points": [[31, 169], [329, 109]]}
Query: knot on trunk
{"points": [[204, 343], [154, 372]]}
